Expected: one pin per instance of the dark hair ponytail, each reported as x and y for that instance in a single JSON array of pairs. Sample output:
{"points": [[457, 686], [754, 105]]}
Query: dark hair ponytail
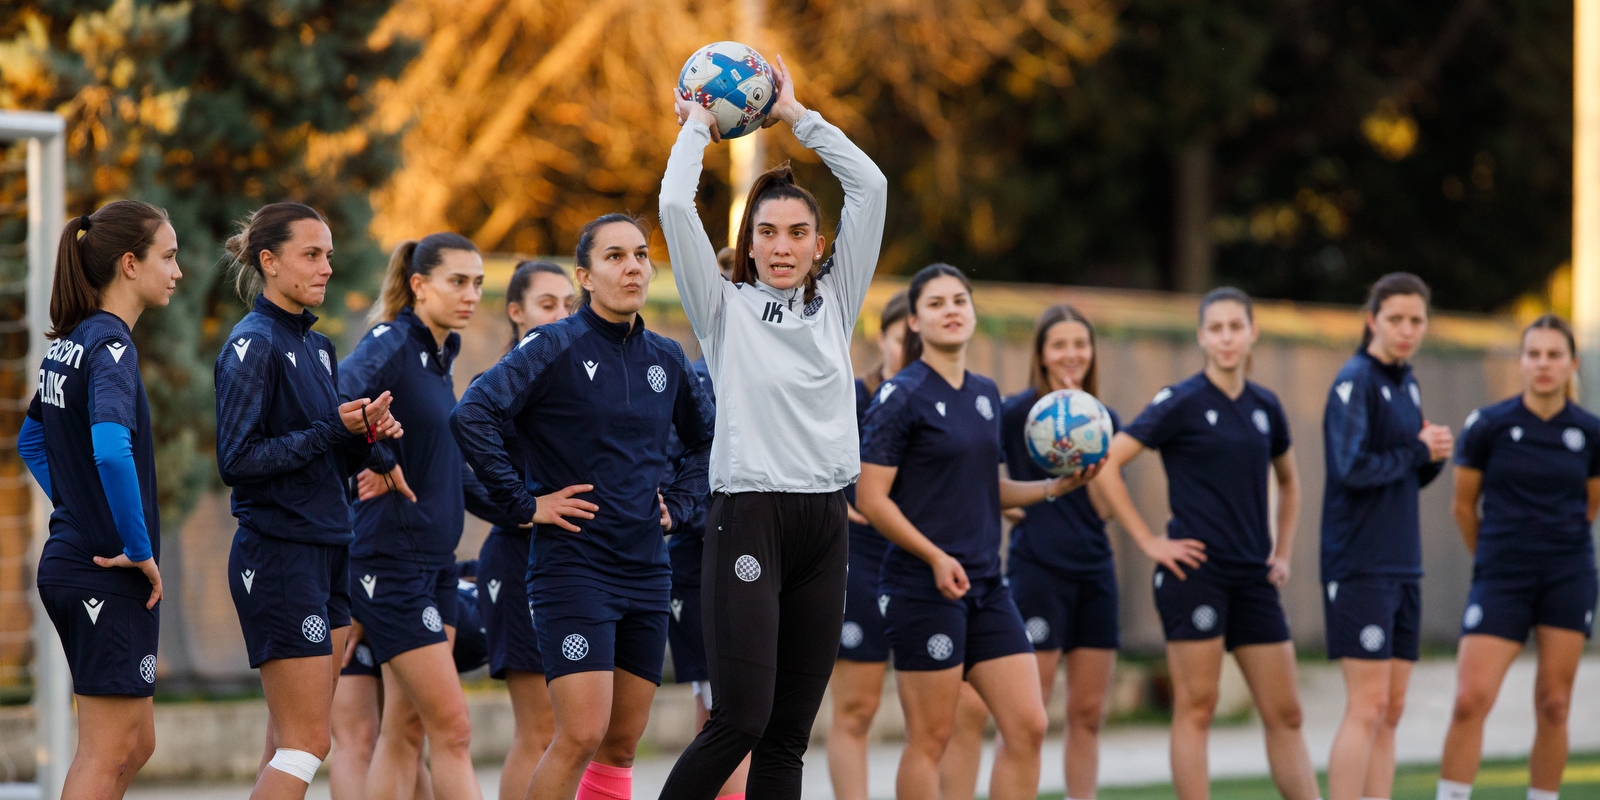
{"points": [[774, 184], [1391, 285], [266, 229], [896, 310], [86, 264], [521, 280], [412, 257], [919, 282], [585, 252], [1053, 316]]}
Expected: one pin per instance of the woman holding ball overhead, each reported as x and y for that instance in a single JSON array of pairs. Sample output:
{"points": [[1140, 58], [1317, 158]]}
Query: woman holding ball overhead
{"points": [[1380, 452], [1534, 461], [777, 339], [1218, 569]]}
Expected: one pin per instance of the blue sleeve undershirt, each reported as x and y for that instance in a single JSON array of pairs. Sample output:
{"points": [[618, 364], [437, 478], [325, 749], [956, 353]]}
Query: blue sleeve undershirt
{"points": [[30, 445], [113, 457]]}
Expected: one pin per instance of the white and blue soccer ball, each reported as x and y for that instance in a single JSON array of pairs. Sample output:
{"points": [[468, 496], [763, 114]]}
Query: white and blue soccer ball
{"points": [[1068, 431], [733, 82]]}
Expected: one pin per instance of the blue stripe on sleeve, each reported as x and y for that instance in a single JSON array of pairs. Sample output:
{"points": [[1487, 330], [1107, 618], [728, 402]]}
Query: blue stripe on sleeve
{"points": [[30, 445], [113, 457]]}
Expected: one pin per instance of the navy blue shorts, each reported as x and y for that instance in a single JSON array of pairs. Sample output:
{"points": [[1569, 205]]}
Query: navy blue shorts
{"points": [[1510, 606], [110, 640], [471, 648], [1234, 602], [403, 607], [928, 631], [362, 664], [686, 635], [862, 638], [589, 628], [503, 604], [289, 595], [1373, 618], [1063, 612]]}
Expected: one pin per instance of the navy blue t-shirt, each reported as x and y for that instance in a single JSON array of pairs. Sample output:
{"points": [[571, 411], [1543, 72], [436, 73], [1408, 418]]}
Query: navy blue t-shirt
{"points": [[90, 376], [946, 443], [867, 546], [1065, 535], [1535, 484], [1217, 453], [593, 402], [1375, 467]]}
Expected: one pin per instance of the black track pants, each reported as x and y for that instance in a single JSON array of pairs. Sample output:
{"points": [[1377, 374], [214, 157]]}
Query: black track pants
{"points": [[772, 590]]}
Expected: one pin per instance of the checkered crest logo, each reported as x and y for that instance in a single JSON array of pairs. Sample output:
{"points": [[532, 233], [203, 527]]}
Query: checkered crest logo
{"points": [[1263, 424], [431, 619], [1372, 638], [364, 655], [1205, 618], [147, 668], [574, 647], [850, 637], [1573, 439], [940, 647], [657, 378], [1038, 629], [747, 568], [985, 408], [327, 363], [314, 628], [1473, 616]]}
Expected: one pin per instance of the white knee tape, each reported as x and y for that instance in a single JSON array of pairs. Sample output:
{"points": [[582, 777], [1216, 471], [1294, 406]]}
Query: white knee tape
{"points": [[298, 763], [702, 690]]}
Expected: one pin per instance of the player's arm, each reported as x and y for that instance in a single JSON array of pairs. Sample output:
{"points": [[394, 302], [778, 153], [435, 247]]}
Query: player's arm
{"points": [[1288, 478], [1464, 506], [30, 446], [1174, 554], [1015, 494], [694, 260]]}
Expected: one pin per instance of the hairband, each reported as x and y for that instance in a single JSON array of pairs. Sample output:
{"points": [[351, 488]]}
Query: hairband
{"points": [[83, 223]]}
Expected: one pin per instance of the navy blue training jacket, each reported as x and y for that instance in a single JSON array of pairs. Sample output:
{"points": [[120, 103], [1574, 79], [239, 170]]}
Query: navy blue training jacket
{"points": [[1376, 465], [689, 534], [402, 357], [280, 442], [593, 402]]}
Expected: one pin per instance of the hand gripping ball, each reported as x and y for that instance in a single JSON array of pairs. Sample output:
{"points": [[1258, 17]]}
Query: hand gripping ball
{"points": [[1068, 431], [733, 82]]}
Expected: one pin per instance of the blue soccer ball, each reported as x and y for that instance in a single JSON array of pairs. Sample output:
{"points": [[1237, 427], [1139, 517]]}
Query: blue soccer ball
{"points": [[733, 82], [1067, 432]]}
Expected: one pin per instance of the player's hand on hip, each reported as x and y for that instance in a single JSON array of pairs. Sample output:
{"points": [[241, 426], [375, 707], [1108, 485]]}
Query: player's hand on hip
{"points": [[148, 566], [1175, 554], [556, 507]]}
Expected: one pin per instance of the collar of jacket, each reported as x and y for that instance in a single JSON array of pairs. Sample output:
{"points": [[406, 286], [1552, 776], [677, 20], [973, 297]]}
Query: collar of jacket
{"points": [[444, 355], [785, 296], [1397, 372], [615, 331], [299, 323]]}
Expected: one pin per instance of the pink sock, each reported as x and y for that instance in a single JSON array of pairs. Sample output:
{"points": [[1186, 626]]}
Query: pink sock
{"points": [[602, 782], [739, 796]]}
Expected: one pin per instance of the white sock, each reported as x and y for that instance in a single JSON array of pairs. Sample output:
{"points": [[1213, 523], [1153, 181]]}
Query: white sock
{"points": [[1542, 794], [1453, 790]]}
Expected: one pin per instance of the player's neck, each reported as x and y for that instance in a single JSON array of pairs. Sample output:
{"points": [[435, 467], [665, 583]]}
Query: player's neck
{"points": [[949, 364], [1543, 406], [123, 302], [1230, 381]]}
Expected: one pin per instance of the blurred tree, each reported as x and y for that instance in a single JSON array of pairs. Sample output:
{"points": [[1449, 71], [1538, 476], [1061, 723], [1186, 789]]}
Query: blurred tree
{"points": [[209, 108]]}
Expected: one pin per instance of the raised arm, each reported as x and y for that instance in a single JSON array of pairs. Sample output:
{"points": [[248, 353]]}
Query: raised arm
{"points": [[694, 260]]}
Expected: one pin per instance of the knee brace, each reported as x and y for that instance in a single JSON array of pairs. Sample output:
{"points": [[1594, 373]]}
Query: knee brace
{"points": [[298, 763]]}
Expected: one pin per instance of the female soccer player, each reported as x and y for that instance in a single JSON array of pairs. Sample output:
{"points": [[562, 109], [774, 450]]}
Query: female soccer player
{"points": [[930, 483], [1534, 460], [539, 293], [1218, 571], [595, 398], [87, 441], [863, 652], [777, 338], [1060, 568], [1380, 451], [286, 445], [403, 556]]}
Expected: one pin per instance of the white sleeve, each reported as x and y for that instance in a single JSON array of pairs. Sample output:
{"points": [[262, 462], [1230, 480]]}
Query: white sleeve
{"points": [[866, 192], [694, 260]]}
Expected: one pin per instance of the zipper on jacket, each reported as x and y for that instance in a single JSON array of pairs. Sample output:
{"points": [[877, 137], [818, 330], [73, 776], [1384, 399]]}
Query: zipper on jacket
{"points": [[627, 385]]}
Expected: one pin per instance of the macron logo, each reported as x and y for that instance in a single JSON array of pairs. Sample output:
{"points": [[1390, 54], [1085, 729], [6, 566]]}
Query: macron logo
{"points": [[494, 591], [883, 394], [240, 346], [530, 337], [249, 578], [93, 606], [1343, 390], [424, 359], [939, 407], [116, 349], [1161, 397], [370, 583], [590, 367], [292, 362], [379, 331]]}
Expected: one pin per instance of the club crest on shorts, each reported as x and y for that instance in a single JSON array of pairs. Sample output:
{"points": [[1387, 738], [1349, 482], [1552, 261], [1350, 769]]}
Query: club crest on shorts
{"points": [[1038, 629], [747, 568], [494, 590], [364, 655], [850, 637], [940, 647], [657, 378], [1473, 616], [1204, 618], [147, 668], [1372, 638], [431, 619], [985, 408], [1574, 439], [1263, 424], [574, 647], [883, 605], [314, 628]]}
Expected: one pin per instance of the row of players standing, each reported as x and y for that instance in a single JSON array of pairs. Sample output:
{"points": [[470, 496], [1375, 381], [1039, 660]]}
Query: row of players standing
{"points": [[1221, 564]]}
